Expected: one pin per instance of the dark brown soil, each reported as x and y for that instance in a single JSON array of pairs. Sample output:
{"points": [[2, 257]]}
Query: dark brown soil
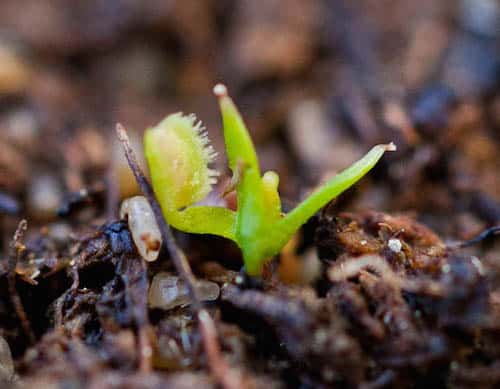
{"points": [[377, 290]]}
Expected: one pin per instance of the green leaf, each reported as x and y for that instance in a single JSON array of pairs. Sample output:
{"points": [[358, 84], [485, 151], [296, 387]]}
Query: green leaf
{"points": [[242, 158], [287, 226], [239, 146], [205, 220]]}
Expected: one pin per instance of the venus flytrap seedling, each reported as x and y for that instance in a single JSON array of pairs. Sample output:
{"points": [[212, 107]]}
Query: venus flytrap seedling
{"points": [[178, 156]]}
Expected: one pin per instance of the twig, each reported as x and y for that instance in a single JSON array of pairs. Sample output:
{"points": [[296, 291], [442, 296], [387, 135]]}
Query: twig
{"points": [[145, 349], [133, 273], [227, 377], [180, 262], [495, 230], [112, 195], [141, 314], [15, 249]]}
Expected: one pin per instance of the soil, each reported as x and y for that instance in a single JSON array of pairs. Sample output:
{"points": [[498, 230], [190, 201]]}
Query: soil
{"points": [[382, 288]]}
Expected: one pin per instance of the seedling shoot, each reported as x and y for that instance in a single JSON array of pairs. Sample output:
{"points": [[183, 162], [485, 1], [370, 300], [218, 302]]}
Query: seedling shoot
{"points": [[178, 154]]}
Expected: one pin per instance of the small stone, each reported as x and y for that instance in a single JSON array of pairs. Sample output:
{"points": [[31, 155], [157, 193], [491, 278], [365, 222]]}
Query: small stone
{"points": [[168, 291], [22, 127], [44, 195], [395, 245], [6, 362]]}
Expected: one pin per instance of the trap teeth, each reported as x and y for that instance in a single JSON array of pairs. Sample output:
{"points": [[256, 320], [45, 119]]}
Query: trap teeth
{"points": [[206, 149]]}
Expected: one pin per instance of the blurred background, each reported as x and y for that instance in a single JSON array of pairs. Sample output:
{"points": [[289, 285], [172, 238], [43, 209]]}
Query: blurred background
{"points": [[318, 83]]}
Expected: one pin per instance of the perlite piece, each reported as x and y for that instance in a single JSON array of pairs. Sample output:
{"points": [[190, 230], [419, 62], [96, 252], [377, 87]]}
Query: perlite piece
{"points": [[143, 227], [168, 291]]}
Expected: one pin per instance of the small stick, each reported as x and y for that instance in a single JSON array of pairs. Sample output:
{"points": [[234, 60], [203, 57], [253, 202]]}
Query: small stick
{"points": [[222, 372], [145, 349], [495, 230], [227, 377], [134, 279], [178, 257], [15, 249]]}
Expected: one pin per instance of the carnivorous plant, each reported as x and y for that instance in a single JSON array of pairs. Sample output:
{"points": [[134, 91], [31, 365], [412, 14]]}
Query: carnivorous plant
{"points": [[178, 154]]}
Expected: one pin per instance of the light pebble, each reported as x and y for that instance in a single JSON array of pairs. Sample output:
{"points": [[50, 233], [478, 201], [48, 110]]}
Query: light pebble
{"points": [[395, 245], [143, 227], [44, 194], [168, 291]]}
